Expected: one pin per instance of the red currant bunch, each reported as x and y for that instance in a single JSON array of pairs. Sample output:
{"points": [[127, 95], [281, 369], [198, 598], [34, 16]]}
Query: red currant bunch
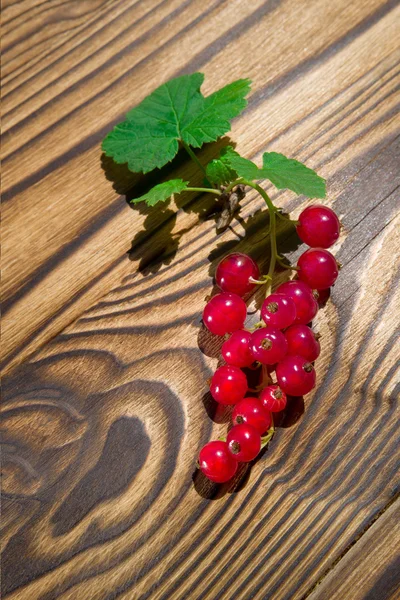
{"points": [[282, 345]]}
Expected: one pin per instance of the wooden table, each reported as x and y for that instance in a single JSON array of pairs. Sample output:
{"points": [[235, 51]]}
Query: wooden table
{"points": [[105, 403]]}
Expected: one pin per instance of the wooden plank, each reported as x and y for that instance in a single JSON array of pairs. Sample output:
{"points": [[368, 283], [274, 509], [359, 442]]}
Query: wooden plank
{"points": [[370, 569], [45, 293], [105, 423]]}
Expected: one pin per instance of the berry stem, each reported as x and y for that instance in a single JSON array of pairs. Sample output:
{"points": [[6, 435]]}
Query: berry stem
{"points": [[268, 437], [257, 326], [284, 264], [272, 219], [285, 218]]}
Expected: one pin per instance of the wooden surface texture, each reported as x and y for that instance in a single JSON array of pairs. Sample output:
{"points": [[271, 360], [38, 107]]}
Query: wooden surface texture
{"points": [[105, 363]]}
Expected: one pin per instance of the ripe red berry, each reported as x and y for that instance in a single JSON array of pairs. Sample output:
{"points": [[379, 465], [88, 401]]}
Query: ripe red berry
{"points": [[318, 226], [273, 398], [302, 342], [228, 385], [244, 442], [295, 375], [236, 351], [224, 313], [318, 268], [268, 345], [234, 271], [302, 296], [278, 310], [251, 412], [216, 462]]}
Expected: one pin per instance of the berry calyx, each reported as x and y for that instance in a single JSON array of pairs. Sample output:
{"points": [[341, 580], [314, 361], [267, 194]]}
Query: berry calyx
{"points": [[302, 342], [302, 296], [244, 442], [295, 375], [268, 345], [273, 398], [318, 268], [216, 462], [228, 385], [278, 310], [252, 412], [318, 226], [236, 351], [234, 272], [224, 313]]}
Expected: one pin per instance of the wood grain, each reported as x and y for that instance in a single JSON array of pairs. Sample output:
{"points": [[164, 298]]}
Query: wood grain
{"points": [[77, 216], [103, 423], [371, 567]]}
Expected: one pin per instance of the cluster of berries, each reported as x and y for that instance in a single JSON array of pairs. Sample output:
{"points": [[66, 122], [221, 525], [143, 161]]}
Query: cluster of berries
{"points": [[284, 344]]}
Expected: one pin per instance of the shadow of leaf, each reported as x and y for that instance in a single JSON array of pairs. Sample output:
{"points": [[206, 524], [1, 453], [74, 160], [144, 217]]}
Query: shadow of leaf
{"points": [[160, 221]]}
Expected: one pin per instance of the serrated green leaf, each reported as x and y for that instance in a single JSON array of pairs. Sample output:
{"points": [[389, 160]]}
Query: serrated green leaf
{"points": [[218, 170], [243, 167], [175, 112], [218, 173], [288, 173], [216, 112], [162, 191]]}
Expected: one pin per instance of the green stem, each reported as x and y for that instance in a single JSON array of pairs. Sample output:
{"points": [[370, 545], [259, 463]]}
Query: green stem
{"points": [[284, 264], [194, 157], [272, 219], [206, 190], [285, 218], [233, 184], [268, 437]]}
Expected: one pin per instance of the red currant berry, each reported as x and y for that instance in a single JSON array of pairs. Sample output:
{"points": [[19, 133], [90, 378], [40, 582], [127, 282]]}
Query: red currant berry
{"points": [[268, 345], [318, 268], [278, 310], [251, 412], [318, 226], [302, 296], [302, 342], [233, 273], [228, 385], [295, 375], [224, 313], [273, 398], [236, 351], [216, 462], [244, 442]]}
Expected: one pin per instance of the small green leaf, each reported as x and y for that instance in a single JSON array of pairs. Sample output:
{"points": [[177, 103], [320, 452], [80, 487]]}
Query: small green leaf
{"points": [[175, 112], [218, 170], [293, 175], [243, 167], [162, 191], [218, 173]]}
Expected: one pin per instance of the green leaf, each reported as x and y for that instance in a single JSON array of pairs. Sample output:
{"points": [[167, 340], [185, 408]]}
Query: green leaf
{"points": [[175, 112], [215, 113], [293, 175], [219, 171], [162, 191], [243, 167]]}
